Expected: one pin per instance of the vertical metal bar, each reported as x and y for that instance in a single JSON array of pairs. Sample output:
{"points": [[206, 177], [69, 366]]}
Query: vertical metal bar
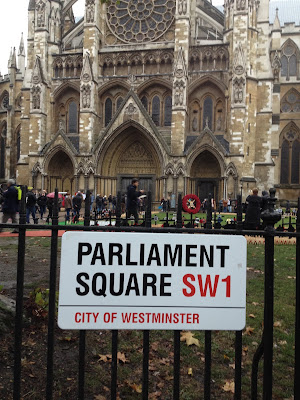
{"points": [[269, 217], [118, 209], [176, 386], [238, 366], [239, 213], [209, 213], [114, 364], [207, 368], [82, 333], [19, 299], [179, 211], [146, 335], [297, 322], [148, 221], [238, 334], [52, 299]]}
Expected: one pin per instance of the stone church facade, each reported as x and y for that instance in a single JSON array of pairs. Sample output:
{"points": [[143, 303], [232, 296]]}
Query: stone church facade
{"points": [[174, 92]]}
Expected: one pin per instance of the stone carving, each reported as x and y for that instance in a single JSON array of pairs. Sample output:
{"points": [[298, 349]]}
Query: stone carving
{"points": [[239, 60], [182, 7], [61, 125], [86, 73], [36, 97], [179, 87], [40, 14], [241, 4], [130, 109], [180, 66], [276, 66], [86, 96], [195, 124], [37, 74], [90, 10], [238, 90], [219, 123], [138, 156]]}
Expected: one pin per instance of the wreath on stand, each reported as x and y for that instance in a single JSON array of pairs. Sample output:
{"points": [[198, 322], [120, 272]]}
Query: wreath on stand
{"points": [[191, 204]]}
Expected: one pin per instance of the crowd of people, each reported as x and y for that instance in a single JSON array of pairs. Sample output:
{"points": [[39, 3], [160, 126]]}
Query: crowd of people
{"points": [[39, 205]]}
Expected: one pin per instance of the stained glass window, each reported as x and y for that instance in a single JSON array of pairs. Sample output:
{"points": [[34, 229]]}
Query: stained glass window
{"points": [[73, 117], [144, 101], [156, 110], [284, 175], [207, 113], [5, 101], [289, 60], [291, 102], [293, 65], [168, 111], [119, 102], [108, 111], [284, 66], [295, 162]]}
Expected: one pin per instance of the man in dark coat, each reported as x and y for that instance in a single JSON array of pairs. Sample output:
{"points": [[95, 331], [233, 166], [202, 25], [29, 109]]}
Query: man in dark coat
{"points": [[77, 201], [252, 220], [10, 205], [132, 200], [30, 205]]}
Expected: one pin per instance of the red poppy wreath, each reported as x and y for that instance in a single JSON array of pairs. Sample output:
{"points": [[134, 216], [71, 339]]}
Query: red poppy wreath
{"points": [[191, 204]]}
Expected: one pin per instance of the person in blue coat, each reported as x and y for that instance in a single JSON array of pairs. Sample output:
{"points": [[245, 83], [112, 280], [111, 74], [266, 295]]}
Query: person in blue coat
{"points": [[10, 205]]}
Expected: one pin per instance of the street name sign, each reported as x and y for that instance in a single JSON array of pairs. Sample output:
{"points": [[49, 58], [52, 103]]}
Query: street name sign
{"points": [[112, 280]]}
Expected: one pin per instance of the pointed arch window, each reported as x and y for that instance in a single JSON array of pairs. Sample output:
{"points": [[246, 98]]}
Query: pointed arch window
{"points": [[2, 150], [156, 110], [289, 60], [119, 102], [207, 113], [5, 101], [168, 111], [290, 157], [18, 144], [291, 102], [73, 117], [108, 111], [144, 101]]}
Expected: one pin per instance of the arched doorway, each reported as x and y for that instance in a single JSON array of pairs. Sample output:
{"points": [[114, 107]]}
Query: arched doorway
{"points": [[60, 173], [130, 154], [206, 176]]}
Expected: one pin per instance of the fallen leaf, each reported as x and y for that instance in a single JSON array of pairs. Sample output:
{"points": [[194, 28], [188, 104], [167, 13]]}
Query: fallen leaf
{"points": [[282, 342], [136, 388], [277, 324], [229, 386], [291, 277], [226, 358], [99, 397], [104, 357], [188, 337], [252, 316], [190, 371], [122, 357], [248, 331], [154, 395], [231, 366], [255, 303]]}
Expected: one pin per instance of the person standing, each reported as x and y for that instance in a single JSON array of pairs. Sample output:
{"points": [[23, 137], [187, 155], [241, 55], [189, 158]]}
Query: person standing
{"points": [[42, 203], [77, 201], [10, 205], [68, 206], [132, 200], [30, 205], [254, 203]]}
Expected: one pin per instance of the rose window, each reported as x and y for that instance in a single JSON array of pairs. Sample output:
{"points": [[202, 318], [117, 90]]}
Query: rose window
{"points": [[137, 21]]}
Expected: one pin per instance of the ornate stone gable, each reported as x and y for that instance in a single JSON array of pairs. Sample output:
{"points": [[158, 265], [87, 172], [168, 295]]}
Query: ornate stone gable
{"points": [[239, 77], [37, 73], [239, 60], [87, 85], [180, 81], [37, 88]]}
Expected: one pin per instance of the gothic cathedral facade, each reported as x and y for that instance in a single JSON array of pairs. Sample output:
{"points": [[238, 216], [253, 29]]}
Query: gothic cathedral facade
{"points": [[174, 92]]}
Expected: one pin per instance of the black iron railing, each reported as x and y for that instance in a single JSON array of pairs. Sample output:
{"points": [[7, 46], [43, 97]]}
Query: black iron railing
{"points": [[264, 349]]}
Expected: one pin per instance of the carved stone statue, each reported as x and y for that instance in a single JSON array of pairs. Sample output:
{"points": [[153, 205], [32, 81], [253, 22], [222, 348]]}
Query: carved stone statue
{"points": [[90, 10], [40, 18], [36, 97], [219, 123], [195, 124], [86, 96], [179, 93], [238, 88], [182, 7]]}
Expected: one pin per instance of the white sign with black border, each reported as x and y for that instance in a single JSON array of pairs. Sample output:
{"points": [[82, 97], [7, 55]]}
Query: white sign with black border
{"points": [[112, 280]]}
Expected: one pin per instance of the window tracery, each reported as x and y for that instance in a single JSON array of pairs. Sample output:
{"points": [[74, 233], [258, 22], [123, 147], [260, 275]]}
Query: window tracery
{"points": [[289, 60], [5, 101], [108, 111], [291, 102], [290, 156], [137, 21]]}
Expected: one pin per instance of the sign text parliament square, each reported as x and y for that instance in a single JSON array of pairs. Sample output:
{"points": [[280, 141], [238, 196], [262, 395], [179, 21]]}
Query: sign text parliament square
{"points": [[165, 281]]}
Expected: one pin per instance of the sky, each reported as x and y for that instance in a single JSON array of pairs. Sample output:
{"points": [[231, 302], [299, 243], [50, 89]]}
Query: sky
{"points": [[11, 28]]}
